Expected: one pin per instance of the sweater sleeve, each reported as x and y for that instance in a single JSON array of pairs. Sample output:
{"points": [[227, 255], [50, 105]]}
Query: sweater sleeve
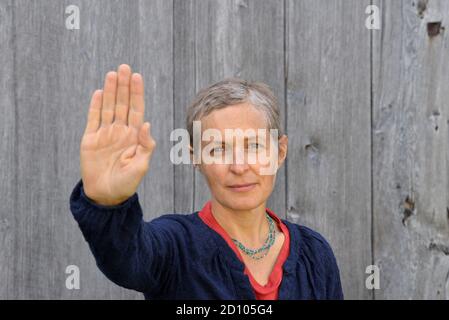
{"points": [[129, 251]]}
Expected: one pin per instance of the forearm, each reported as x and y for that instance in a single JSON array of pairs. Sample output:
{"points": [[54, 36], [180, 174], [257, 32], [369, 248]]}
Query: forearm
{"points": [[115, 235]]}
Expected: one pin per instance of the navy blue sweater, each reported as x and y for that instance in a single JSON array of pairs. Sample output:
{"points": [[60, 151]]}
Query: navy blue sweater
{"points": [[178, 256]]}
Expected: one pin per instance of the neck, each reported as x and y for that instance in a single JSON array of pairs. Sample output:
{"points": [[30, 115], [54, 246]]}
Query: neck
{"points": [[247, 226]]}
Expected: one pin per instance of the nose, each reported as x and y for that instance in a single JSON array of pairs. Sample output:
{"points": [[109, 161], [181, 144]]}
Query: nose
{"points": [[239, 164], [239, 168]]}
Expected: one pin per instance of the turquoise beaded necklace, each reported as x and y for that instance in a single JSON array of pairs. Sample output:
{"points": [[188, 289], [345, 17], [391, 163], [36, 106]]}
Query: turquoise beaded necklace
{"points": [[254, 254]]}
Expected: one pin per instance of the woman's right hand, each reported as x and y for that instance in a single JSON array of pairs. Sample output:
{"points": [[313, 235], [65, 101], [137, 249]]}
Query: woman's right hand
{"points": [[116, 147]]}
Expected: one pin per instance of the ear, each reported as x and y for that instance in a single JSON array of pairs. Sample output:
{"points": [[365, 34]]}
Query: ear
{"points": [[283, 146]]}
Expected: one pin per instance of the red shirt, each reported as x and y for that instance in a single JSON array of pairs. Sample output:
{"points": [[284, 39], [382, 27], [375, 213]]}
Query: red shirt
{"points": [[271, 289]]}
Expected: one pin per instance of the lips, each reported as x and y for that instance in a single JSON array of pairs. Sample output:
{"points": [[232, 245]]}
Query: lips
{"points": [[242, 187]]}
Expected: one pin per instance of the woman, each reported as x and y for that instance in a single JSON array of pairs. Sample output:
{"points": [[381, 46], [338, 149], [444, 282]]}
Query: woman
{"points": [[235, 247]]}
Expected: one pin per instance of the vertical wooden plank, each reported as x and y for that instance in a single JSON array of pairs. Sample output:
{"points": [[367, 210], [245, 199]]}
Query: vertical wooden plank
{"points": [[328, 103], [37, 58], [411, 154], [54, 70], [184, 87], [7, 148], [86, 55], [58, 69], [156, 58], [242, 39]]}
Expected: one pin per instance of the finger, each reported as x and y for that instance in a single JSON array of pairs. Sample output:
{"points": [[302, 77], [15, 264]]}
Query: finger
{"points": [[122, 100], [109, 93], [94, 115], [137, 102]]}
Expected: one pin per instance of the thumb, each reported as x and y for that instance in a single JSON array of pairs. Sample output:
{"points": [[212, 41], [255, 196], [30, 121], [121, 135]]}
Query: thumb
{"points": [[146, 143], [145, 138]]}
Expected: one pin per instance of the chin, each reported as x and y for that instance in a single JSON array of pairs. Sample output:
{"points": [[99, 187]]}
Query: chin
{"points": [[243, 202]]}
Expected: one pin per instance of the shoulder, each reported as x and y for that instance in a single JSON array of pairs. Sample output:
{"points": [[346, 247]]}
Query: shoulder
{"points": [[314, 239], [181, 226], [317, 256], [174, 221], [312, 245], [181, 232], [178, 217]]}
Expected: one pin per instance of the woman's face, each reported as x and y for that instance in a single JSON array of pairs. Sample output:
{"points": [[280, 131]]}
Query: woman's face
{"points": [[225, 180]]}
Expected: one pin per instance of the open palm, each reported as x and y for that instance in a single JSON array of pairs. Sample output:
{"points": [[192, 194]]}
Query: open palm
{"points": [[116, 147]]}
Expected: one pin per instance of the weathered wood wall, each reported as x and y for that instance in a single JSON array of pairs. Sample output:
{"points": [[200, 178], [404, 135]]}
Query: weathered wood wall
{"points": [[411, 150], [366, 112]]}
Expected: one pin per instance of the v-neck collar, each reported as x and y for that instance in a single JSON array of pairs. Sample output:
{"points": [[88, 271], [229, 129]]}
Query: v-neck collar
{"points": [[238, 267]]}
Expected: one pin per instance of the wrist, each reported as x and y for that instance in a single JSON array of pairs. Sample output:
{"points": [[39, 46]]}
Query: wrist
{"points": [[105, 201]]}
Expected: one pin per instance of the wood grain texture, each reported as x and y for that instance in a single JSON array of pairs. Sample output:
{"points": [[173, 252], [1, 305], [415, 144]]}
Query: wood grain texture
{"points": [[57, 71], [411, 153], [184, 61], [242, 39], [366, 112], [328, 107], [8, 150]]}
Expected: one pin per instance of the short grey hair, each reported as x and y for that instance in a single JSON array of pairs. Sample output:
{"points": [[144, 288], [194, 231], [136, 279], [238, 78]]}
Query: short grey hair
{"points": [[231, 91]]}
